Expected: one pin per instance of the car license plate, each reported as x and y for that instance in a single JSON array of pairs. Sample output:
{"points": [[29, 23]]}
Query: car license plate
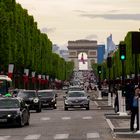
{"points": [[45, 104], [3, 120], [77, 106]]}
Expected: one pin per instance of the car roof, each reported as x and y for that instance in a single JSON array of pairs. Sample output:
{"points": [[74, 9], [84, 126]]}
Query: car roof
{"points": [[46, 90], [11, 98], [27, 90], [74, 87], [82, 91]]}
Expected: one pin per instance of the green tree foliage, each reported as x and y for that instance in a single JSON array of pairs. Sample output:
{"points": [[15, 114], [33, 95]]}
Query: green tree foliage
{"points": [[129, 62], [22, 43]]}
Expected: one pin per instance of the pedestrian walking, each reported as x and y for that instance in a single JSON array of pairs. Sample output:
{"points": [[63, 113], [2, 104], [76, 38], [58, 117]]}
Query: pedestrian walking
{"points": [[134, 109]]}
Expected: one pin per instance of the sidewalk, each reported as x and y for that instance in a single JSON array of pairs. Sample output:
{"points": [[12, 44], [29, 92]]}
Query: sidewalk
{"points": [[121, 128], [119, 124]]}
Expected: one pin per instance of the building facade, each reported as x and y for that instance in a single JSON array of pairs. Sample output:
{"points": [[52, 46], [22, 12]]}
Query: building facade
{"points": [[79, 46], [101, 53]]}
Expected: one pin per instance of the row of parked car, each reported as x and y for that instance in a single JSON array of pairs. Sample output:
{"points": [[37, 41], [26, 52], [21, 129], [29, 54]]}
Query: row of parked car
{"points": [[16, 110]]}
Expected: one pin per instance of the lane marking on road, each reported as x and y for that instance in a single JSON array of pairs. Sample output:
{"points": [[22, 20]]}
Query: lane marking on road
{"points": [[96, 103], [4, 137], [45, 119], [66, 118], [110, 124], [32, 137], [87, 118], [61, 136], [93, 135]]}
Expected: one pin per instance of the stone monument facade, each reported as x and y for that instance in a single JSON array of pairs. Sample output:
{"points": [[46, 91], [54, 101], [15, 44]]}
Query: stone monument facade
{"points": [[79, 46]]}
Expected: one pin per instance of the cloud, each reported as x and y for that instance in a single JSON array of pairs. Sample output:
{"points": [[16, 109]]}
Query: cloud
{"points": [[113, 11], [80, 11], [47, 30], [91, 37], [113, 16]]}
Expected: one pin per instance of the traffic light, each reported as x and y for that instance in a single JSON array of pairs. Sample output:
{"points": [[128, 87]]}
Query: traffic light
{"points": [[99, 70], [109, 62], [122, 48]]}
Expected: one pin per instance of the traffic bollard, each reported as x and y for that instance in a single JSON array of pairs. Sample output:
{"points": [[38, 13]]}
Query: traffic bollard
{"points": [[109, 99], [99, 94], [113, 100], [122, 110]]}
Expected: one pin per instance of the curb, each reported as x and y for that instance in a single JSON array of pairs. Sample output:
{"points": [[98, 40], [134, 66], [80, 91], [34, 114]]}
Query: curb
{"points": [[122, 132], [117, 117], [110, 124], [127, 134], [106, 107]]}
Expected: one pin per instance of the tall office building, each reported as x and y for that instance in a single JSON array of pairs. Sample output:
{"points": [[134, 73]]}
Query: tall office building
{"points": [[101, 53], [56, 49], [110, 44]]}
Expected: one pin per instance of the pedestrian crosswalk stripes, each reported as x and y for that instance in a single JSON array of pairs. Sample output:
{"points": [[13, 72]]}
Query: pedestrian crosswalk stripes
{"points": [[94, 135], [87, 118], [4, 137], [66, 118], [45, 118], [61, 136], [32, 137]]}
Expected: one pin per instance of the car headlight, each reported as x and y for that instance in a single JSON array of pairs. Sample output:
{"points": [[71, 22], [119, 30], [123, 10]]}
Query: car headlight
{"points": [[67, 102], [36, 100], [9, 115], [85, 102], [53, 100]]}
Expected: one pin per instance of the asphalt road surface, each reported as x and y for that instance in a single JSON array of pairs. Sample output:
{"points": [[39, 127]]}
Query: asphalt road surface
{"points": [[57, 124]]}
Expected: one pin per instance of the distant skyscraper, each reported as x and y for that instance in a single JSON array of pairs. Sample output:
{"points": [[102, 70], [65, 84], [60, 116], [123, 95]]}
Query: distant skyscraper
{"points": [[64, 54], [55, 49], [101, 53], [110, 44]]}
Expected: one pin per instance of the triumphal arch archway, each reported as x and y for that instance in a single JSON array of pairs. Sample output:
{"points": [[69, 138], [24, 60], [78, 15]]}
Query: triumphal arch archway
{"points": [[79, 46]]}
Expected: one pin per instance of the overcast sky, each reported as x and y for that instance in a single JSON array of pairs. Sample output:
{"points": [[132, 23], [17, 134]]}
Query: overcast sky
{"points": [[65, 20]]}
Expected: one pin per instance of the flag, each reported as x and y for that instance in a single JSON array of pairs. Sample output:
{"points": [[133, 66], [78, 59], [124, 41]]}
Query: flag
{"points": [[82, 58]]}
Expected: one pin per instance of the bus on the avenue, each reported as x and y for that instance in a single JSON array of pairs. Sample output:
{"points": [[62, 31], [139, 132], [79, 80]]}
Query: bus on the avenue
{"points": [[5, 84]]}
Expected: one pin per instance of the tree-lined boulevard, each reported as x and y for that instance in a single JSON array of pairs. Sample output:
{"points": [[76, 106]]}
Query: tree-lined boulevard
{"points": [[53, 124], [28, 64]]}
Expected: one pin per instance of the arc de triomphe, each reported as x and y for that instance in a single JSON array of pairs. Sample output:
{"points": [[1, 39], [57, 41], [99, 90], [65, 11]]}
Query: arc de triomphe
{"points": [[83, 46]]}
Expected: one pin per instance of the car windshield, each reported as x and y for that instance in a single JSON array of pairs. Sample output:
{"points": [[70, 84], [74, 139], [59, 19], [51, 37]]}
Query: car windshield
{"points": [[27, 94], [75, 89], [76, 94], [46, 94], [7, 103]]}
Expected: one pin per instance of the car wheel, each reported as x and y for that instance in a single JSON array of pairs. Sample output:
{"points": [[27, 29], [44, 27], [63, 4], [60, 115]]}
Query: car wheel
{"points": [[54, 107], [66, 108], [87, 108], [38, 110]]}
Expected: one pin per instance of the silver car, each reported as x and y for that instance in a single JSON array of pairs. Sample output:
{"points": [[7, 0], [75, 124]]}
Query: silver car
{"points": [[76, 99]]}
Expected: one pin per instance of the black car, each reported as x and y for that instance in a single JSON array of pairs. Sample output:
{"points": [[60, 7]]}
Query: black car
{"points": [[48, 98], [76, 99], [31, 98], [14, 111]]}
